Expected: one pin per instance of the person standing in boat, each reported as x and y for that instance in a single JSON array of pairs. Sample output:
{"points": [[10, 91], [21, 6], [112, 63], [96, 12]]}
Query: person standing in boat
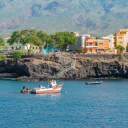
{"points": [[40, 86], [50, 85]]}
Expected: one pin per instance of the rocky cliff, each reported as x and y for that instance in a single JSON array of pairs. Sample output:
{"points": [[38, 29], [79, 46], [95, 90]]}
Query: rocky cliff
{"points": [[67, 67]]}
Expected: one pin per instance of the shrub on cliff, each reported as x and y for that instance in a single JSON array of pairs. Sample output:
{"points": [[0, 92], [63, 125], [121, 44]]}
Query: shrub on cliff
{"points": [[85, 59], [122, 57], [98, 59], [17, 55], [3, 57]]}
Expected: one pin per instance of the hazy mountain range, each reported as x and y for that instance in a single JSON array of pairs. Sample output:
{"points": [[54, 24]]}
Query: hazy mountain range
{"points": [[98, 17]]}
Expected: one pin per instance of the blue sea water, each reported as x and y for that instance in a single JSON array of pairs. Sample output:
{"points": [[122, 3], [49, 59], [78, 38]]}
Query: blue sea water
{"points": [[83, 106]]}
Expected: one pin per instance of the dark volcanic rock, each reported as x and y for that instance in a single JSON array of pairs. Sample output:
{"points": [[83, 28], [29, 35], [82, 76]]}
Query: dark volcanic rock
{"points": [[59, 66]]}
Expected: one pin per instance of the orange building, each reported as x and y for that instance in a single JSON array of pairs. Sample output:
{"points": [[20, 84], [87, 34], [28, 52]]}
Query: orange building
{"points": [[93, 45]]}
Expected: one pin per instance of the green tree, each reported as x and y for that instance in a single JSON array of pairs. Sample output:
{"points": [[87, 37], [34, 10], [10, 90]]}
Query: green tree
{"points": [[3, 57], [120, 48], [97, 37], [26, 37], [1, 42], [17, 55], [79, 50], [30, 37], [26, 32], [15, 37], [32, 40], [59, 38], [51, 41], [63, 39], [44, 37]]}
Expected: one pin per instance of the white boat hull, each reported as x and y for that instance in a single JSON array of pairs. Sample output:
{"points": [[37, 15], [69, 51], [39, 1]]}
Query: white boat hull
{"points": [[46, 90]]}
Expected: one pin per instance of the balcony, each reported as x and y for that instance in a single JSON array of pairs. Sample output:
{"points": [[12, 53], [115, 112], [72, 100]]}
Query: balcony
{"points": [[91, 44]]}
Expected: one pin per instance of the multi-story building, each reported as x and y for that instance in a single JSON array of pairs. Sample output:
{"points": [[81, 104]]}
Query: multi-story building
{"points": [[80, 41], [93, 45], [124, 38], [111, 43], [17, 46], [120, 38]]}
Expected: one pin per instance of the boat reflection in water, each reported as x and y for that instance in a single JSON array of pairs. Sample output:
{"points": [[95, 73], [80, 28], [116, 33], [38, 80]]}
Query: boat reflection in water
{"points": [[52, 95], [94, 83]]}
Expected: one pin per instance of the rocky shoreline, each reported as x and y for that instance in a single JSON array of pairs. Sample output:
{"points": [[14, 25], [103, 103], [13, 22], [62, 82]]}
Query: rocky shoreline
{"points": [[61, 66]]}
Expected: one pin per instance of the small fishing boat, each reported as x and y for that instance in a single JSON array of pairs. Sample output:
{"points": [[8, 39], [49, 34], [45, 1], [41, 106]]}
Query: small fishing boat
{"points": [[24, 90], [52, 88], [96, 82]]}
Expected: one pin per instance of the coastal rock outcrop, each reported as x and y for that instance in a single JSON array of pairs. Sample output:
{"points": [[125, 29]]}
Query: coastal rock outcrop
{"points": [[66, 67]]}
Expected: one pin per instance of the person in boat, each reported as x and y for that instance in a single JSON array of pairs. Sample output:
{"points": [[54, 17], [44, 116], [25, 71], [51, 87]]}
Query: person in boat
{"points": [[24, 87], [40, 86], [50, 85], [27, 89]]}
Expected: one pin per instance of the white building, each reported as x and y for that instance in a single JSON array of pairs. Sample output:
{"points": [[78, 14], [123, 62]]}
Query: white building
{"points": [[111, 44], [80, 41]]}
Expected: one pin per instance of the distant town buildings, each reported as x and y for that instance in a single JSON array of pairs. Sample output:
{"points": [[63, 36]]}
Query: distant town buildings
{"points": [[105, 44], [80, 41], [88, 43], [93, 45], [17, 46]]}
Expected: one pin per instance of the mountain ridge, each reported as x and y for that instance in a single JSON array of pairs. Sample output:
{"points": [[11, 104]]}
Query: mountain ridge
{"points": [[97, 17]]}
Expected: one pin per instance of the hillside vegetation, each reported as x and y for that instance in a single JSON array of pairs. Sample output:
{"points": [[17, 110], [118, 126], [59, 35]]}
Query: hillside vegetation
{"points": [[97, 17]]}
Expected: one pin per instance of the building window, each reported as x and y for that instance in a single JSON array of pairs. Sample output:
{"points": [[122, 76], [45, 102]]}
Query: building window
{"points": [[119, 42], [90, 43], [101, 49], [120, 37], [101, 43]]}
